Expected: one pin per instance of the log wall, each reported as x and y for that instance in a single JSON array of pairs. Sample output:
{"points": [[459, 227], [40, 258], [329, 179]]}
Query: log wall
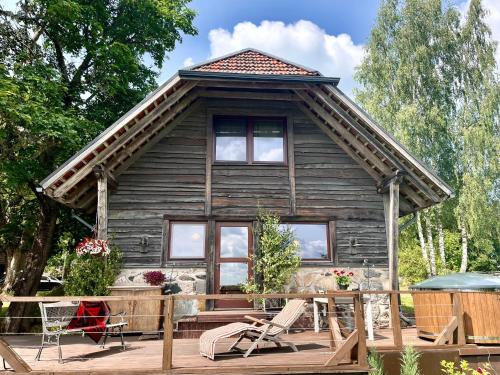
{"points": [[169, 180]]}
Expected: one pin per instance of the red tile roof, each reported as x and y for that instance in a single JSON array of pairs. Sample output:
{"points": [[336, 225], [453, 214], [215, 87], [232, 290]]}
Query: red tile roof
{"points": [[253, 62]]}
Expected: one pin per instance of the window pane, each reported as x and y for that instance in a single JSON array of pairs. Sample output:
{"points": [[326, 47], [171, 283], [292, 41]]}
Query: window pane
{"points": [[268, 140], [233, 273], [234, 242], [188, 240], [230, 140], [312, 240]]}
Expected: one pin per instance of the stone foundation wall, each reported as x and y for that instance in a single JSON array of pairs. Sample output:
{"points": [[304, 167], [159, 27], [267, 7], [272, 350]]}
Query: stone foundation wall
{"points": [[180, 281], [306, 280]]}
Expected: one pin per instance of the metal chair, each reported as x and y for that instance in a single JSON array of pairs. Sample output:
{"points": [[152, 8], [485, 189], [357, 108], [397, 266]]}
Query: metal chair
{"points": [[55, 320]]}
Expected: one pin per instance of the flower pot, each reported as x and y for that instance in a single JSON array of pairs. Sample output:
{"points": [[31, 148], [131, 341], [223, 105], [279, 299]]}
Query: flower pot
{"points": [[343, 287]]}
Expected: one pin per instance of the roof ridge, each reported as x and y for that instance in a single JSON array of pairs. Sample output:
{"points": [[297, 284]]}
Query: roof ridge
{"points": [[229, 63]]}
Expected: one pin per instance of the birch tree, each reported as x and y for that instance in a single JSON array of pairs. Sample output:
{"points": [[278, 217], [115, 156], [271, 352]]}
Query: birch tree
{"points": [[428, 76]]}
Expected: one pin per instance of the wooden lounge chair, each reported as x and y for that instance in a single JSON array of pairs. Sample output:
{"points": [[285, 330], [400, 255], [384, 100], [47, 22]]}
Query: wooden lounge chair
{"points": [[260, 331]]}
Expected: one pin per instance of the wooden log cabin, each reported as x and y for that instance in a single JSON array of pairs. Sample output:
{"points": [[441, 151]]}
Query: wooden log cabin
{"points": [[177, 180]]}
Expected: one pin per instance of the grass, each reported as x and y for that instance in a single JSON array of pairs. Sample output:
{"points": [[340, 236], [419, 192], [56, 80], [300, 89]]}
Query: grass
{"points": [[407, 306]]}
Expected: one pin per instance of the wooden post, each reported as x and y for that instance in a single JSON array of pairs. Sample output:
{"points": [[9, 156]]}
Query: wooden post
{"points": [[208, 164], [168, 334], [361, 351], [102, 203], [395, 322], [391, 208], [335, 334], [459, 314], [12, 358], [291, 163]]}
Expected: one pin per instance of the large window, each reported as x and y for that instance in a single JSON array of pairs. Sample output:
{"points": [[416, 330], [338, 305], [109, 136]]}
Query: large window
{"points": [[313, 241], [187, 240], [249, 139]]}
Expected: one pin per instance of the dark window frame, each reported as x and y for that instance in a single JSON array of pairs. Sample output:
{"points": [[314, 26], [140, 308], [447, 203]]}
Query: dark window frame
{"points": [[329, 251], [171, 258], [249, 121]]}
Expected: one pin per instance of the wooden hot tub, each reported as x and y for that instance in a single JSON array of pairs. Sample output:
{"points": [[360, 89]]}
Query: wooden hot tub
{"points": [[480, 307]]}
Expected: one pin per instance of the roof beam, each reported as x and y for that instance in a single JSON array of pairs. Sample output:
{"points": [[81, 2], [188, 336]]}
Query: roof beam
{"points": [[348, 136], [124, 139], [339, 141], [382, 134], [286, 96]]}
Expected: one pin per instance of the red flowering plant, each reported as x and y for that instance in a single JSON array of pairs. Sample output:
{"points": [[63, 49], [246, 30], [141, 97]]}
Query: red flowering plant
{"points": [[154, 278], [343, 278], [93, 247]]}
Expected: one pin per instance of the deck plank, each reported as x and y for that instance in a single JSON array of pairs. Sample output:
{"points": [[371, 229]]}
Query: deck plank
{"points": [[81, 355]]}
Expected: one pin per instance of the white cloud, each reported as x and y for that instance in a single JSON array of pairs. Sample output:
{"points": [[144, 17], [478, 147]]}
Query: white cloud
{"points": [[188, 62], [302, 42]]}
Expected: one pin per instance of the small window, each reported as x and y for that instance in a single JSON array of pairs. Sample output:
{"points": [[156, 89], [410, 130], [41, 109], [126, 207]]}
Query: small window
{"points": [[187, 240], [249, 139], [313, 241], [268, 140]]}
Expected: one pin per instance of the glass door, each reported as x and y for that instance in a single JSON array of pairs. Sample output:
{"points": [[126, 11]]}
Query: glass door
{"points": [[233, 247]]}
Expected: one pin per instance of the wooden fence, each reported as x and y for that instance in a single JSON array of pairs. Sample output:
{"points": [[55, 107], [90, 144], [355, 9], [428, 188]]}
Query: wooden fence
{"points": [[345, 346]]}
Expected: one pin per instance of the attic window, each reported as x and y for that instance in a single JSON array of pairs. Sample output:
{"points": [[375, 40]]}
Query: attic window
{"points": [[249, 140]]}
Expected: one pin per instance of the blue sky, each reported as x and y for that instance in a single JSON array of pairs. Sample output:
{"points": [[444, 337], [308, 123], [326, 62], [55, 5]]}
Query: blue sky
{"points": [[334, 17], [327, 35]]}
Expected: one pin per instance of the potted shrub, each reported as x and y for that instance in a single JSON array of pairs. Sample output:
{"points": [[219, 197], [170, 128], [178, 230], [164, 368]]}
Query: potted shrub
{"points": [[276, 258], [343, 278], [154, 278]]}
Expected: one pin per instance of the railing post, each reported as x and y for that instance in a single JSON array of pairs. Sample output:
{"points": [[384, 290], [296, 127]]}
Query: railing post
{"points": [[360, 326], [395, 322], [458, 312], [168, 334]]}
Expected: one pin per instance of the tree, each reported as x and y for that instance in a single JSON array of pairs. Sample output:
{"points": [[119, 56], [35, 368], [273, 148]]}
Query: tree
{"points": [[276, 259], [68, 69], [430, 79]]}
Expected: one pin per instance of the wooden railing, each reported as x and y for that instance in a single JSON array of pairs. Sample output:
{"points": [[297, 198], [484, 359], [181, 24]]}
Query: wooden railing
{"points": [[351, 345]]}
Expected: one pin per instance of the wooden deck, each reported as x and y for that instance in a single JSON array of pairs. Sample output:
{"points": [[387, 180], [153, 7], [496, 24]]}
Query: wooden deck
{"points": [[81, 355]]}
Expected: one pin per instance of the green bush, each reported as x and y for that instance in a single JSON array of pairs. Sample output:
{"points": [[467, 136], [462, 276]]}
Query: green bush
{"points": [[92, 275], [409, 361], [412, 267], [277, 257], [375, 362]]}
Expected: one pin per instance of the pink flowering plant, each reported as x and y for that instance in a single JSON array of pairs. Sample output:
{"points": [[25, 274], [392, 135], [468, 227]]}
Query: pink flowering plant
{"points": [[93, 247], [343, 277], [154, 278]]}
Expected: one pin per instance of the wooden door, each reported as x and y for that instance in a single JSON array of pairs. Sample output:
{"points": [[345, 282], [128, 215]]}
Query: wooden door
{"points": [[233, 266]]}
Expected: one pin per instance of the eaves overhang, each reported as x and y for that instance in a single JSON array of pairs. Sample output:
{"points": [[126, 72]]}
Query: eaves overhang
{"points": [[277, 78]]}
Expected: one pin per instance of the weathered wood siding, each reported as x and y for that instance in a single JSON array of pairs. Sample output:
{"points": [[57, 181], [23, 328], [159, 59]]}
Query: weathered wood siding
{"points": [[240, 189], [330, 183], [169, 179]]}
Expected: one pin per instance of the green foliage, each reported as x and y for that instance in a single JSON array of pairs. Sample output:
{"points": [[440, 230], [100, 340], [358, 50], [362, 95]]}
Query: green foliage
{"points": [[431, 80], [449, 368], [375, 362], [412, 268], [91, 275], [68, 69], [409, 361], [276, 259]]}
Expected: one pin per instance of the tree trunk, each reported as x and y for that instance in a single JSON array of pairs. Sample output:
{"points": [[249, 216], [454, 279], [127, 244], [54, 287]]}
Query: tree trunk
{"points": [[422, 244], [430, 244], [441, 237], [465, 256], [35, 259]]}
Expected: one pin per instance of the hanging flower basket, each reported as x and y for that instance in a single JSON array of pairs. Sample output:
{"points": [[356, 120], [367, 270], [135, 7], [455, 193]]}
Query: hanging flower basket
{"points": [[93, 247]]}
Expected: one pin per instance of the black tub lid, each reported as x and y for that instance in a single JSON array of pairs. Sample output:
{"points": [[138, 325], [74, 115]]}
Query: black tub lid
{"points": [[465, 281]]}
